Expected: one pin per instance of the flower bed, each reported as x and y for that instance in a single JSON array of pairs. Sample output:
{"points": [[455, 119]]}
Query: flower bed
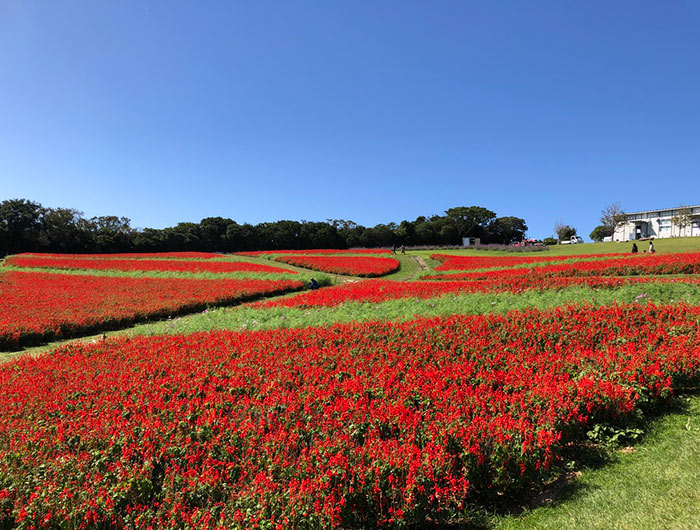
{"points": [[313, 251], [132, 265], [353, 426], [685, 263], [45, 306], [456, 263], [133, 255], [375, 291], [348, 265]]}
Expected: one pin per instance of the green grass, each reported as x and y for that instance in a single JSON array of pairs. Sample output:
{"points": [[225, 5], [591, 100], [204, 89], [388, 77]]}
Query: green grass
{"points": [[250, 318], [304, 276], [409, 269], [245, 317], [653, 486]]}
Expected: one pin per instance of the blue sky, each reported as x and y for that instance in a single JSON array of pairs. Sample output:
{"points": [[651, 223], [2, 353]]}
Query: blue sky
{"points": [[375, 111]]}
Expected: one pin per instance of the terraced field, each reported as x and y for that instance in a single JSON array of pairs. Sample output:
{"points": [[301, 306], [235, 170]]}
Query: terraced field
{"points": [[221, 392]]}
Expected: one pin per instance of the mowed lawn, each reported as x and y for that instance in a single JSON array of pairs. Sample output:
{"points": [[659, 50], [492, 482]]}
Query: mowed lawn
{"points": [[653, 485]]}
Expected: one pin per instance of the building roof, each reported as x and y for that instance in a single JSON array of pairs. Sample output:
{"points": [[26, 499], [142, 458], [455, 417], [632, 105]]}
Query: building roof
{"points": [[663, 209]]}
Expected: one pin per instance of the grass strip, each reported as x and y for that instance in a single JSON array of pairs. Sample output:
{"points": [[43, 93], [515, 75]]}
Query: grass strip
{"points": [[245, 317], [303, 276]]}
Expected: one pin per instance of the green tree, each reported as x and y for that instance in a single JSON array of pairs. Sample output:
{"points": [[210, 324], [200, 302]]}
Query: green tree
{"points": [[213, 233], [20, 224], [320, 235], [506, 229], [184, 236], [348, 231], [240, 237], [62, 231], [599, 232], [406, 233], [425, 231], [563, 231], [110, 233], [465, 219]]}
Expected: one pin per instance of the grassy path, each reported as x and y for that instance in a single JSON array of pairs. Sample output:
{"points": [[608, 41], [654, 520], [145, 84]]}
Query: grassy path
{"points": [[408, 270]]}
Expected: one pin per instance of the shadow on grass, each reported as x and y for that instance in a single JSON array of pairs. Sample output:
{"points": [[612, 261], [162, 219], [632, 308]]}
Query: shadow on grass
{"points": [[577, 457], [581, 456]]}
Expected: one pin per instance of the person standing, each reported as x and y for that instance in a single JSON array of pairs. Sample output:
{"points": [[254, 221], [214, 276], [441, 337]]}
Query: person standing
{"points": [[634, 248]]}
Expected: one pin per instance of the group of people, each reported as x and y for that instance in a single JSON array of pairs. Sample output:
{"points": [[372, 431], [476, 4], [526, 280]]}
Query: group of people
{"points": [[635, 249], [403, 249]]}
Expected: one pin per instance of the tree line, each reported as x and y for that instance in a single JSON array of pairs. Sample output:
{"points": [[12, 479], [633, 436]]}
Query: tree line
{"points": [[27, 226]]}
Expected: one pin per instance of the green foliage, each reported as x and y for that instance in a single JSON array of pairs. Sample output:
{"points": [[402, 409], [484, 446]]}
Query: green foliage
{"points": [[26, 226], [20, 223], [465, 219], [506, 229], [599, 232], [253, 318], [565, 232], [614, 436], [549, 241]]}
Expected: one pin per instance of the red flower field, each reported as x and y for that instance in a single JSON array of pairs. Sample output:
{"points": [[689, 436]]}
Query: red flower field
{"points": [[131, 265], [376, 291], [314, 251], [357, 425], [46, 306], [133, 255], [456, 263], [350, 265], [686, 263]]}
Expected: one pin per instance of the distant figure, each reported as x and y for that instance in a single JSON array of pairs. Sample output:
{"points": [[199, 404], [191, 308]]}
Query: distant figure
{"points": [[634, 248], [314, 284], [403, 249], [639, 233], [393, 249], [651, 247]]}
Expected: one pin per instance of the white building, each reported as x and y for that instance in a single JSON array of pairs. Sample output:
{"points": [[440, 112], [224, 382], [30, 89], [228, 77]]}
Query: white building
{"points": [[658, 224]]}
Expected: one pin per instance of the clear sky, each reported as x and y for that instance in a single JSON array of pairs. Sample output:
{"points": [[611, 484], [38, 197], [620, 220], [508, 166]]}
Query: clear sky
{"points": [[375, 111]]}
